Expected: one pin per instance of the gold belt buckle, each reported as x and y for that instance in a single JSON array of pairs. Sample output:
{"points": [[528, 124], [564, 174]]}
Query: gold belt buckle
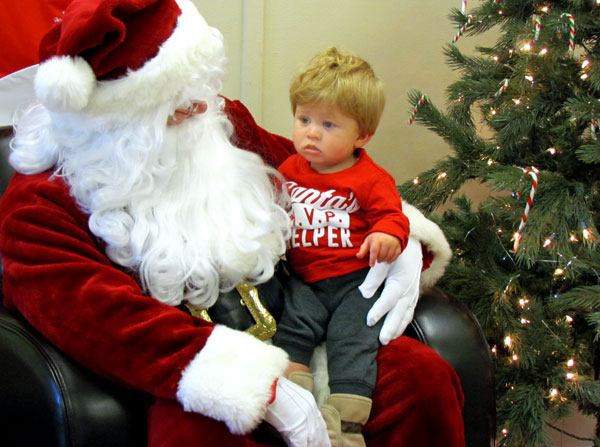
{"points": [[265, 325]]}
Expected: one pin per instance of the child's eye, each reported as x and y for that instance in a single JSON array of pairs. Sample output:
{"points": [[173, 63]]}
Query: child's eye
{"points": [[328, 124], [304, 119]]}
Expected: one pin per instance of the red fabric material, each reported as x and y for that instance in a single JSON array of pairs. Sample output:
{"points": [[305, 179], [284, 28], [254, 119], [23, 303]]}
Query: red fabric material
{"points": [[170, 426], [333, 213], [417, 402], [111, 35], [24, 22], [427, 257], [273, 392]]}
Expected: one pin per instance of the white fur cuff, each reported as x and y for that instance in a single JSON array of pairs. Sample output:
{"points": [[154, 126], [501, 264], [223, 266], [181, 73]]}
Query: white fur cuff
{"points": [[230, 379], [428, 233]]}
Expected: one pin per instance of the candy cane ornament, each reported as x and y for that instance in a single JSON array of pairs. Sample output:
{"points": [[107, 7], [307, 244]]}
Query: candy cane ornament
{"points": [[519, 233], [464, 6], [571, 30], [538, 27], [463, 28], [416, 109], [503, 87]]}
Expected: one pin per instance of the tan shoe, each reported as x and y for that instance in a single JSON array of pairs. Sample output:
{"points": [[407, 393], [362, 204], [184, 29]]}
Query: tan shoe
{"points": [[345, 415], [304, 379]]}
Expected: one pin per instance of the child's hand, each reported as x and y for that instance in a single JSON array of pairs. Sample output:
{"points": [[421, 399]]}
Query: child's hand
{"points": [[380, 247]]}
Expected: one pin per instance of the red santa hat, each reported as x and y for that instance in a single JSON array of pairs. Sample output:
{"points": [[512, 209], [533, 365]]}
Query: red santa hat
{"points": [[122, 56]]}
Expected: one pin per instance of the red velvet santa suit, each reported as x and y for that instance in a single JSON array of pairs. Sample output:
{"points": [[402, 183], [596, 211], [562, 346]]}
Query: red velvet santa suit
{"points": [[57, 275]]}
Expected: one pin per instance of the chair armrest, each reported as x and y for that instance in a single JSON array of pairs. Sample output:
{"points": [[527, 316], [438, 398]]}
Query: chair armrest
{"points": [[448, 326], [47, 399]]}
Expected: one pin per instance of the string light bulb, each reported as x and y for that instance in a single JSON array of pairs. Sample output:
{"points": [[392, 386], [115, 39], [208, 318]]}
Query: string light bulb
{"points": [[543, 51], [587, 232]]}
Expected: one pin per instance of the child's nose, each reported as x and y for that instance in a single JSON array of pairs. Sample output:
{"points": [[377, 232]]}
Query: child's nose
{"points": [[314, 132]]}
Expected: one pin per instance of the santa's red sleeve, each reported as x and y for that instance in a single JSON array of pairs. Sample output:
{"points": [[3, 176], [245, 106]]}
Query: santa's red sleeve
{"points": [[273, 149], [57, 275]]}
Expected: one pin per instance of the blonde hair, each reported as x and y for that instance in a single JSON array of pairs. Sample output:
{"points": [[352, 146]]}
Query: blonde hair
{"points": [[333, 77]]}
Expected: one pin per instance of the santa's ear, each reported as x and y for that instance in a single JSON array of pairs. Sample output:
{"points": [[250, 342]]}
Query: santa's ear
{"points": [[64, 83]]}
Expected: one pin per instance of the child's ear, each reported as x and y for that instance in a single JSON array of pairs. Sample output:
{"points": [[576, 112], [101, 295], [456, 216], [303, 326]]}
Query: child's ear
{"points": [[362, 141]]}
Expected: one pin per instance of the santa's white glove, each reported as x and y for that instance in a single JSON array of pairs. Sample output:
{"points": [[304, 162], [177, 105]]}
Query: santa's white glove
{"points": [[294, 413], [400, 294]]}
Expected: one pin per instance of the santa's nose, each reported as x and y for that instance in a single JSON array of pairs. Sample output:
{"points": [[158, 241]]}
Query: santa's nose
{"points": [[180, 115]]}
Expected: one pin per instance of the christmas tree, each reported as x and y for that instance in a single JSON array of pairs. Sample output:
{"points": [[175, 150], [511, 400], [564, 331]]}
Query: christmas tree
{"points": [[523, 120]]}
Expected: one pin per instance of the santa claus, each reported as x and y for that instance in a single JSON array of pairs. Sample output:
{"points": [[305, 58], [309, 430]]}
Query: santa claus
{"points": [[130, 200]]}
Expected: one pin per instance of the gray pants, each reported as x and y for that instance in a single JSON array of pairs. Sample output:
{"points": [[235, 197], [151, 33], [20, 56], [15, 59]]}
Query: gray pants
{"points": [[333, 310]]}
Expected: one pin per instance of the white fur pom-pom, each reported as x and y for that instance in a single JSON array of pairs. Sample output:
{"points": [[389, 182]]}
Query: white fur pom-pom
{"points": [[64, 83]]}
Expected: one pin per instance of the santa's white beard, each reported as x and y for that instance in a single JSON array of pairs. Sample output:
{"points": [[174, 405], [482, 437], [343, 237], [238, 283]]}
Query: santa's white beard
{"points": [[187, 211]]}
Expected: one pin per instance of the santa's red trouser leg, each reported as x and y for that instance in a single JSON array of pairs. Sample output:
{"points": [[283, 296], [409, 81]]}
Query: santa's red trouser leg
{"points": [[417, 402]]}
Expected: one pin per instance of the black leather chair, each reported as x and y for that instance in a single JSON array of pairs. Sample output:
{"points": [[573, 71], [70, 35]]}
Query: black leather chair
{"points": [[47, 399]]}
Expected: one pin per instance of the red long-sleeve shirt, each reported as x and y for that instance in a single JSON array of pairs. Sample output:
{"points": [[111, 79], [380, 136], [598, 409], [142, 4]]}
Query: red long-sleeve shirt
{"points": [[333, 213]]}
